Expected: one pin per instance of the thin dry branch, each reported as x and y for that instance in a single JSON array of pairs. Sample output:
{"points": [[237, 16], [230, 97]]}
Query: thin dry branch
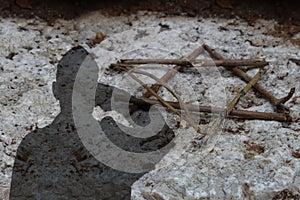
{"points": [[172, 72], [250, 63], [163, 102], [246, 89], [162, 84], [244, 114], [240, 73], [287, 97]]}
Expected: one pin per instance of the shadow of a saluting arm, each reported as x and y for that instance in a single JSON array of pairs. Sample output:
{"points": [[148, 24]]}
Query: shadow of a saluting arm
{"points": [[53, 163]]}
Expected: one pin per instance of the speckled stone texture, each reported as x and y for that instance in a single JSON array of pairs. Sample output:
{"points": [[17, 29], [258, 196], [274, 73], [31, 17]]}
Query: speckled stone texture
{"points": [[253, 159]]}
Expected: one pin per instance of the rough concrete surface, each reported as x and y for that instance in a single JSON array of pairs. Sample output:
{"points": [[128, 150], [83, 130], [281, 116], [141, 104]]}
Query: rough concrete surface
{"points": [[235, 169]]}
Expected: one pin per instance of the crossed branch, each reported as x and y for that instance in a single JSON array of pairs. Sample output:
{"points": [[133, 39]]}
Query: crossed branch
{"points": [[281, 115]]}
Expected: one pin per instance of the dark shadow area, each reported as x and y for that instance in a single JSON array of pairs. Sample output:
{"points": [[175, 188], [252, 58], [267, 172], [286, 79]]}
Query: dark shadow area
{"points": [[52, 163], [284, 11]]}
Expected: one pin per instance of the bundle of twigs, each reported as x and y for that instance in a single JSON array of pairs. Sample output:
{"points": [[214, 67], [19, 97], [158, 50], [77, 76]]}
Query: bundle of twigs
{"points": [[281, 115]]}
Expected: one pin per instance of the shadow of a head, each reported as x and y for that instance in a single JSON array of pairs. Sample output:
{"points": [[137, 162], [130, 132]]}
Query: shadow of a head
{"points": [[53, 163]]}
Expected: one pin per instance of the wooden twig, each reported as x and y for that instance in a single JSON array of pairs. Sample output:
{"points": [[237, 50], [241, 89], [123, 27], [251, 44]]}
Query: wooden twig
{"points": [[287, 97], [162, 84], [294, 60], [244, 91], [251, 63], [172, 72], [155, 87], [244, 114], [163, 102], [238, 72]]}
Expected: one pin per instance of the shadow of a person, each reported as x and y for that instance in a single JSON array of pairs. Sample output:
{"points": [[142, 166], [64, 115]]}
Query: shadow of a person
{"points": [[52, 162]]}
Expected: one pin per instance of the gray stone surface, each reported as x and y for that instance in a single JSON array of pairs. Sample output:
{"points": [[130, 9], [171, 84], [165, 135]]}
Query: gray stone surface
{"points": [[232, 170]]}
